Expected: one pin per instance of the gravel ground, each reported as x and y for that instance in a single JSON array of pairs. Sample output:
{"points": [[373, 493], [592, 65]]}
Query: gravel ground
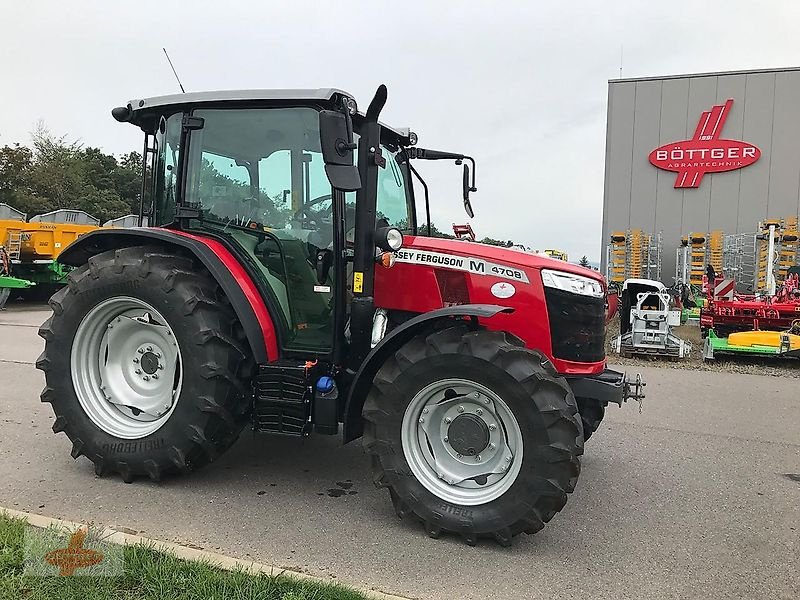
{"points": [[754, 365]]}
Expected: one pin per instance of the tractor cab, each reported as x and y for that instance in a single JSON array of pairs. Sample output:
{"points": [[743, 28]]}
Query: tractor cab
{"points": [[250, 167]]}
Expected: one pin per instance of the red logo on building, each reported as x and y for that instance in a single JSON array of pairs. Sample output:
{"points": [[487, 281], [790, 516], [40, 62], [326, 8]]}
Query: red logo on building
{"points": [[706, 152]]}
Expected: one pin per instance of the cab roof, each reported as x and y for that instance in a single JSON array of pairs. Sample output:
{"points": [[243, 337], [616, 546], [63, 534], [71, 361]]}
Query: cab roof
{"points": [[140, 111], [322, 94]]}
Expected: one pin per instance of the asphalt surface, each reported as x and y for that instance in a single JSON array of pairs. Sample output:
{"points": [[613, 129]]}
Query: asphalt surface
{"points": [[697, 496]]}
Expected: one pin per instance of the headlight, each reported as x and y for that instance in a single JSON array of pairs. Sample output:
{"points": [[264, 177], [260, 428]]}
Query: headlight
{"points": [[389, 238], [574, 284]]}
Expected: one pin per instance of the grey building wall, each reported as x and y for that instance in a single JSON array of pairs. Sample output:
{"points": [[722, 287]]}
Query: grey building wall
{"points": [[644, 114]]}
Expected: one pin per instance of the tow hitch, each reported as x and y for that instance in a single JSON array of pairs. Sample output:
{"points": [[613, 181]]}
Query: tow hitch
{"points": [[609, 386]]}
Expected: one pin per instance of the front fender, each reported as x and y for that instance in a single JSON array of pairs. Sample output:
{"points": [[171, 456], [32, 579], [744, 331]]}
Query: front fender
{"points": [[362, 381], [228, 272]]}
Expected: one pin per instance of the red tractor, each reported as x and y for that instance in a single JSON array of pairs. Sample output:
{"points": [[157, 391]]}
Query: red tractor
{"points": [[286, 288]]}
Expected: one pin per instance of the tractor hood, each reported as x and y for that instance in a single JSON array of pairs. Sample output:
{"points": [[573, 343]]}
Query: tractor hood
{"points": [[497, 254]]}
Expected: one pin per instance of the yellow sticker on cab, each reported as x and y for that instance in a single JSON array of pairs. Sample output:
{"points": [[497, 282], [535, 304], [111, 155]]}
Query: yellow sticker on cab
{"points": [[358, 282]]}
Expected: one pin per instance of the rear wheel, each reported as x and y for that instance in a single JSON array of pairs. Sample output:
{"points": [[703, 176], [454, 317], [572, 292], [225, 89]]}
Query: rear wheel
{"points": [[473, 434], [144, 365]]}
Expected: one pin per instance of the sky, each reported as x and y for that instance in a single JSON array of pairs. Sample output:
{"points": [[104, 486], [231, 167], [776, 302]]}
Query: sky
{"points": [[520, 86]]}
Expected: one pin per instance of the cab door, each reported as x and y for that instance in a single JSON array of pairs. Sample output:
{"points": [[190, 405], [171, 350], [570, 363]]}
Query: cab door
{"points": [[258, 178]]}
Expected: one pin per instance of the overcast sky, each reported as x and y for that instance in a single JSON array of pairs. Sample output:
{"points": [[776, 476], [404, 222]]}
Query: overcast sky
{"points": [[521, 86]]}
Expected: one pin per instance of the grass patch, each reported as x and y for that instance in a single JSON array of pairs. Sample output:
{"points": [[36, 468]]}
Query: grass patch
{"points": [[151, 575]]}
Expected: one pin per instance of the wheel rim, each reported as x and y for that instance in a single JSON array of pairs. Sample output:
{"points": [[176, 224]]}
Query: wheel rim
{"points": [[126, 367], [462, 442]]}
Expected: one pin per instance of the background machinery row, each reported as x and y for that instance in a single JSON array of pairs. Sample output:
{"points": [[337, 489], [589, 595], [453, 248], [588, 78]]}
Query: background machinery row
{"points": [[742, 289], [758, 261], [29, 247]]}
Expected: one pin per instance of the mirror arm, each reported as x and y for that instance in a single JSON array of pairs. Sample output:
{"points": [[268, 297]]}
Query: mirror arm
{"points": [[348, 119], [342, 147], [425, 154]]}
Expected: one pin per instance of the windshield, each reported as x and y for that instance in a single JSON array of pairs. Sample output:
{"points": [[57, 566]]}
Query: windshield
{"points": [[258, 166], [262, 166]]}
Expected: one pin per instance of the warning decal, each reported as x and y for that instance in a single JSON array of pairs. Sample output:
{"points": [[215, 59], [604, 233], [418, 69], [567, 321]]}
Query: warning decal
{"points": [[478, 266], [723, 289], [358, 282]]}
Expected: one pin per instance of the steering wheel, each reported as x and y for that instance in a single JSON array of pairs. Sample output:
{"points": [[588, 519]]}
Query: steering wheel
{"points": [[302, 216], [244, 210]]}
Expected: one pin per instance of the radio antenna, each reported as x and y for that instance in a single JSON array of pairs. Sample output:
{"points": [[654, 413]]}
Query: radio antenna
{"points": [[173, 70]]}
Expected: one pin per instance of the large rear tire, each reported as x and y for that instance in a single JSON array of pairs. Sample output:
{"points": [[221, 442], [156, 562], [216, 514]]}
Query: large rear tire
{"points": [[144, 364], [473, 434]]}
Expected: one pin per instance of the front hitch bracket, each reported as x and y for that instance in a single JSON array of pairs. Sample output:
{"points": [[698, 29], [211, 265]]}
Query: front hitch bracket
{"points": [[609, 386]]}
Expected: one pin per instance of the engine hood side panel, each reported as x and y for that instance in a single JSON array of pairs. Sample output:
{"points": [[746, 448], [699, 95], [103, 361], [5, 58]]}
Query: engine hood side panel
{"points": [[509, 256], [411, 285], [491, 275]]}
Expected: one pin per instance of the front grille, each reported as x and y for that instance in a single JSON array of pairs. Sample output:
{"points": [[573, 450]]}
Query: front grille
{"points": [[577, 325]]}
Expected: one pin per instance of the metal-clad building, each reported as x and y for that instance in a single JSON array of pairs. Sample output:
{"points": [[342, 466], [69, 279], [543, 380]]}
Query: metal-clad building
{"points": [[126, 221], [66, 215], [9, 212], [759, 108]]}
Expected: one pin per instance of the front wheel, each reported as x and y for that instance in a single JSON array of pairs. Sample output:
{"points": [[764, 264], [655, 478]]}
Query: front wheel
{"points": [[473, 434]]}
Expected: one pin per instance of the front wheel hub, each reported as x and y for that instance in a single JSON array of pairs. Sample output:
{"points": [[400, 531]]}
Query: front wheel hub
{"points": [[468, 434], [150, 363], [462, 441]]}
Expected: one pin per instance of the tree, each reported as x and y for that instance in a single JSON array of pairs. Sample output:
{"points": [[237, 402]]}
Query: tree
{"points": [[584, 262], [435, 231], [128, 179], [494, 242], [103, 204], [57, 173], [15, 164]]}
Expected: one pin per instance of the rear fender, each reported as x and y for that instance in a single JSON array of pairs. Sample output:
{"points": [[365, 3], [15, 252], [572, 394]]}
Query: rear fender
{"points": [[360, 386], [229, 273]]}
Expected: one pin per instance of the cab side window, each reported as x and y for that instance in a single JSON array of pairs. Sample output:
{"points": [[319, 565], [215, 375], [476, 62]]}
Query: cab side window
{"points": [[392, 201]]}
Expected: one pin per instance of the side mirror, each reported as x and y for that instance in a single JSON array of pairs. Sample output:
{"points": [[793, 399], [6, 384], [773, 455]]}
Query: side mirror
{"points": [[336, 139], [467, 189]]}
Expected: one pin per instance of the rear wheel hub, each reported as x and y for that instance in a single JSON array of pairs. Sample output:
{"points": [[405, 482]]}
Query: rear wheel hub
{"points": [[126, 367]]}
